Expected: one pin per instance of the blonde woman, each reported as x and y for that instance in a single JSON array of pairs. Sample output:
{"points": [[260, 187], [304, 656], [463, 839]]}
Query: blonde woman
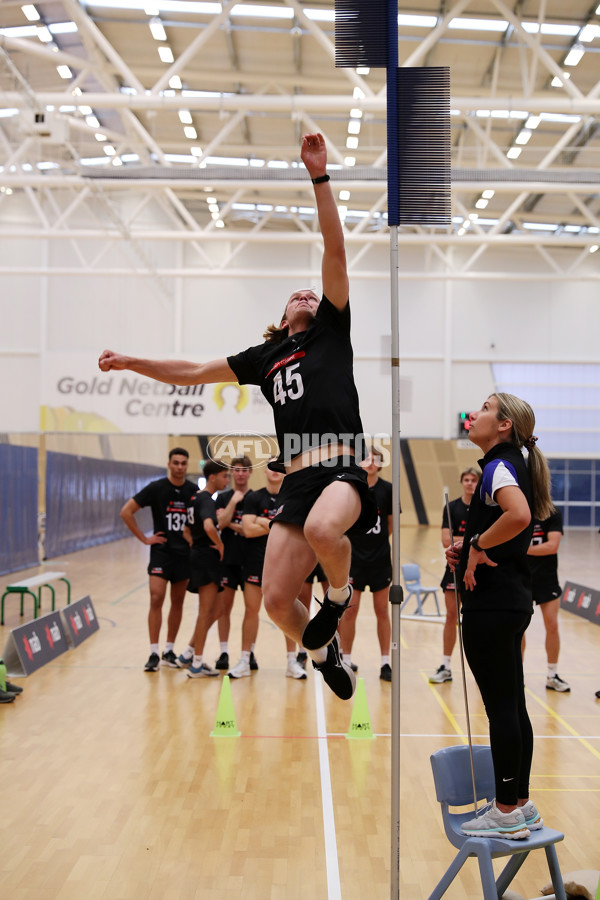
{"points": [[495, 584]]}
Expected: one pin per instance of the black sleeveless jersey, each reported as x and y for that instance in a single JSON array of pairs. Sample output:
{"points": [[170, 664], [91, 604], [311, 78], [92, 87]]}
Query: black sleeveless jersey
{"points": [[373, 547], [234, 543], [308, 380]]}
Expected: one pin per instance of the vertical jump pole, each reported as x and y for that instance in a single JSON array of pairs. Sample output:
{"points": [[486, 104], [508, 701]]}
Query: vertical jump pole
{"points": [[396, 594]]}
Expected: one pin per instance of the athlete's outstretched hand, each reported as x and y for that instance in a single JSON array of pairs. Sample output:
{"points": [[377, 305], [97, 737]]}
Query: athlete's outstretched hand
{"points": [[314, 154], [110, 360]]}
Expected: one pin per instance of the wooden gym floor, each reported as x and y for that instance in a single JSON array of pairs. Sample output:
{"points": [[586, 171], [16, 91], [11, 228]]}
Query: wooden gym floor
{"points": [[112, 788]]}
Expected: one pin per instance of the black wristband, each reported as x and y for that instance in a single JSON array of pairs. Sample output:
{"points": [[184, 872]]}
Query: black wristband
{"points": [[320, 179], [475, 545]]}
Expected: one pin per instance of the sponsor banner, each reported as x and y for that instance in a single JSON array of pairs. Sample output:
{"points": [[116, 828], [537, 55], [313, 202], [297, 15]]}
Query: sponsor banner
{"points": [[582, 601], [33, 645], [80, 620], [77, 396]]}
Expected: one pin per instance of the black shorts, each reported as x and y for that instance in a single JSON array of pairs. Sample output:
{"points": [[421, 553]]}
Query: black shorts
{"points": [[205, 567], [252, 572], [447, 582], [374, 576], [317, 574], [300, 491], [544, 593], [232, 577], [173, 567]]}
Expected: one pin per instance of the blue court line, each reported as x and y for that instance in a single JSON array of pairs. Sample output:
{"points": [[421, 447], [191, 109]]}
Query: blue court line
{"points": [[128, 594]]}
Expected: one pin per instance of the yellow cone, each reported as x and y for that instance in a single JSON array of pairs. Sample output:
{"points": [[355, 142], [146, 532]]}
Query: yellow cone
{"points": [[225, 723], [360, 723]]}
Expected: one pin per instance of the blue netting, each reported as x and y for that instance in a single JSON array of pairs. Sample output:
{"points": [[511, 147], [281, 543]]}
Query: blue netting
{"points": [[18, 507], [84, 497]]}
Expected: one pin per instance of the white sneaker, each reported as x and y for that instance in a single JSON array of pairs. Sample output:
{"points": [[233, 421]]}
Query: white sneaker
{"points": [[440, 675], [493, 823], [240, 670], [557, 684], [533, 820], [295, 670]]}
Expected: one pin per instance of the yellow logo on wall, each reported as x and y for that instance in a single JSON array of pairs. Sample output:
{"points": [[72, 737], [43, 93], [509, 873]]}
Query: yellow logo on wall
{"points": [[243, 394], [65, 418]]}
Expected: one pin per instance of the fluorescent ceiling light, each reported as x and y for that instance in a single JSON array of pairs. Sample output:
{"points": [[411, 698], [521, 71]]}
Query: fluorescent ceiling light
{"points": [[523, 137], [175, 82], [417, 21], [226, 161], [354, 126], [185, 116], [30, 12], [92, 121], [64, 72], [157, 29], [350, 161], [514, 153], [551, 28], [538, 226], [166, 54], [478, 24], [594, 247], [574, 55], [277, 164], [109, 150], [356, 113], [560, 117], [196, 151], [43, 34], [220, 223], [533, 122], [20, 31], [86, 110], [351, 142], [8, 113], [95, 161], [487, 195], [100, 137], [481, 203], [344, 195], [190, 132], [362, 70], [558, 82], [588, 33]]}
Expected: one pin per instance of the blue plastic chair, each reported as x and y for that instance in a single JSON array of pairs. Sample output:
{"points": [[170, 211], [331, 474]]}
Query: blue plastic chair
{"points": [[412, 581], [454, 787]]}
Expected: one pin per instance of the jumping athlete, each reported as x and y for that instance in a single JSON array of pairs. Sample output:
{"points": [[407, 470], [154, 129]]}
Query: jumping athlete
{"points": [[305, 372]]}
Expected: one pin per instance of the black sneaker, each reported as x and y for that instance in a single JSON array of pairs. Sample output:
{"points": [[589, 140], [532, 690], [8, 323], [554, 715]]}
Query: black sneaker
{"points": [[322, 627], [301, 658], [386, 672], [223, 661], [253, 663], [6, 697], [169, 659], [354, 667], [13, 688], [153, 663], [340, 677]]}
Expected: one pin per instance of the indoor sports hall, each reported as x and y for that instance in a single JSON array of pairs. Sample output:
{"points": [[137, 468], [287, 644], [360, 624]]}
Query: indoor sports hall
{"points": [[155, 202]]}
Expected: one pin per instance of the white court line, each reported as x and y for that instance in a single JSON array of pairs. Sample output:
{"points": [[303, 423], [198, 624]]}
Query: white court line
{"points": [[334, 890]]}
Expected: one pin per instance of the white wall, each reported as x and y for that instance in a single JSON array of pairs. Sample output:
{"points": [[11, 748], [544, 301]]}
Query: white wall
{"points": [[450, 331]]}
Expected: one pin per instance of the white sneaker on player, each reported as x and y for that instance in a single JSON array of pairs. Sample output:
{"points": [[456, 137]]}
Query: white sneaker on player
{"points": [[240, 670], [295, 670]]}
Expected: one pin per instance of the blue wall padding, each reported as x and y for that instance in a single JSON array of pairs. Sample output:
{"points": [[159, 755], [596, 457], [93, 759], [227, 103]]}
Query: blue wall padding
{"points": [[18, 508], [84, 497]]}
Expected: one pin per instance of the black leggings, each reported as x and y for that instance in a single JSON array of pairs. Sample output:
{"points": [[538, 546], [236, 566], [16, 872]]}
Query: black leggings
{"points": [[492, 643]]}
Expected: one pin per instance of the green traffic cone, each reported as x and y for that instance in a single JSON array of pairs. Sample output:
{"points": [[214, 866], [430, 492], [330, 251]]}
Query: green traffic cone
{"points": [[225, 725], [360, 723]]}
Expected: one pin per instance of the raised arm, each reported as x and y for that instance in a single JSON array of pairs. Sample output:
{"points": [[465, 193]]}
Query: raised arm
{"points": [[170, 371], [333, 267]]}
